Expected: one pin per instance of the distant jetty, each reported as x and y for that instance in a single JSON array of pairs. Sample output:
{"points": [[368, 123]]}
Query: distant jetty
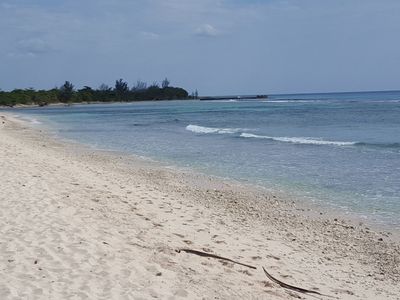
{"points": [[235, 97]]}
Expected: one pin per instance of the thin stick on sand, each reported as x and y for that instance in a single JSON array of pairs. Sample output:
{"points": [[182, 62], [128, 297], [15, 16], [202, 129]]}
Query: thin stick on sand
{"points": [[205, 254], [292, 287]]}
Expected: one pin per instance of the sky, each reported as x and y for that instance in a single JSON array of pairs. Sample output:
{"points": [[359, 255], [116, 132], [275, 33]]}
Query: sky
{"points": [[215, 46]]}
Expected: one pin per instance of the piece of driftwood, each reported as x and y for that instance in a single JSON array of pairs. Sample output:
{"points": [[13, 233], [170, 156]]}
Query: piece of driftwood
{"points": [[205, 254], [291, 287]]}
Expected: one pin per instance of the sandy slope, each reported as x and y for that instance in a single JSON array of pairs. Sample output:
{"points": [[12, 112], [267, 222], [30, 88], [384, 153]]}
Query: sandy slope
{"points": [[77, 224]]}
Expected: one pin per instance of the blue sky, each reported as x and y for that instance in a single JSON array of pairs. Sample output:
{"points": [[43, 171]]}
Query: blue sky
{"points": [[215, 46]]}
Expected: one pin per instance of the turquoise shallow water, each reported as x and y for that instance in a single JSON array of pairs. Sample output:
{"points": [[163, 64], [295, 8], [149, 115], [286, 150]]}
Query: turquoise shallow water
{"points": [[340, 150]]}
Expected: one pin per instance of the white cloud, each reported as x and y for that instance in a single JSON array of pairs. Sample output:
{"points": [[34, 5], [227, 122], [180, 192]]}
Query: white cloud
{"points": [[149, 35], [20, 55], [34, 46], [207, 30], [30, 48]]}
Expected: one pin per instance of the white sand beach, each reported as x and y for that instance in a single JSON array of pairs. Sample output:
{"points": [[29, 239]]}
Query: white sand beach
{"points": [[76, 223]]}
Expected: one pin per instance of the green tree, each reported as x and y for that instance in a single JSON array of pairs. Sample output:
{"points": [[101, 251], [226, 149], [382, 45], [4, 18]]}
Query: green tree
{"points": [[140, 86], [121, 89], [66, 92], [104, 93], [85, 94], [165, 83]]}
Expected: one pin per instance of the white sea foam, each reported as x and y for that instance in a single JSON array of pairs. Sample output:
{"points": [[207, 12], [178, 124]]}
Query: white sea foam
{"points": [[35, 121], [293, 140], [201, 129], [29, 119], [220, 101], [295, 101], [298, 140]]}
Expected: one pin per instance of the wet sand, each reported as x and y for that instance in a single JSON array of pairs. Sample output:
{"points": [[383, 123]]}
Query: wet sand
{"points": [[84, 224]]}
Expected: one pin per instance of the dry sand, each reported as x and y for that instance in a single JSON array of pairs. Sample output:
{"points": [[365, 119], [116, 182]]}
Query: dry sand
{"points": [[77, 223]]}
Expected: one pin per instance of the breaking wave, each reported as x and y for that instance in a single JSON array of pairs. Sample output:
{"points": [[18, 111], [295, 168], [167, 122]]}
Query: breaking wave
{"points": [[241, 132], [201, 129], [299, 140], [294, 140]]}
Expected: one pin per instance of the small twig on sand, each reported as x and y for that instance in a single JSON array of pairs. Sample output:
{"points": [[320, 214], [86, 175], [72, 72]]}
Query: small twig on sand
{"points": [[205, 254], [291, 287]]}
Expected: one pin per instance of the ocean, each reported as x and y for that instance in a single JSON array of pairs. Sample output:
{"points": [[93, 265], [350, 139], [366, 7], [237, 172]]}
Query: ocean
{"points": [[338, 150]]}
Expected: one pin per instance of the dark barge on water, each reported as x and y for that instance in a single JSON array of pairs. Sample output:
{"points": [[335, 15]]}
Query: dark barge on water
{"points": [[241, 97]]}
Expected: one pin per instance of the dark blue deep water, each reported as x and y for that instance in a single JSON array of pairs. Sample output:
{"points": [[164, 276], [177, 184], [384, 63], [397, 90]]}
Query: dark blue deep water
{"points": [[340, 150]]}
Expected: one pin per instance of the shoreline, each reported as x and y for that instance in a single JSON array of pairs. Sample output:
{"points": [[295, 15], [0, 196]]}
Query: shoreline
{"points": [[337, 258]]}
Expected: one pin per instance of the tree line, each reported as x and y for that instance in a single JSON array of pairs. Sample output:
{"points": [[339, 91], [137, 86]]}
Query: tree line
{"points": [[120, 92]]}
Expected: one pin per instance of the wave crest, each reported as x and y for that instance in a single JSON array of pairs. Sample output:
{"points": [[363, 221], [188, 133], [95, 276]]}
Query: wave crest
{"points": [[298, 140], [241, 132], [201, 129], [293, 140]]}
